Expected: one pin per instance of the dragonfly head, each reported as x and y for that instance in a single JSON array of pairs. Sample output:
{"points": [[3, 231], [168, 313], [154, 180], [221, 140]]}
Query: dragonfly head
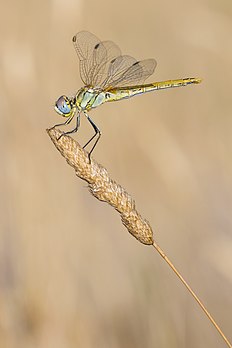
{"points": [[64, 106]]}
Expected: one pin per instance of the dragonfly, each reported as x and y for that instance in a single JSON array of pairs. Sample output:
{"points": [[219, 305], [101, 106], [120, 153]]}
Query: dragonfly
{"points": [[108, 76]]}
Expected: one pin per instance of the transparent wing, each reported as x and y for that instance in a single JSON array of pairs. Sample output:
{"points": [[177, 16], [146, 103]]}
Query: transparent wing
{"points": [[127, 71], [94, 56], [102, 65]]}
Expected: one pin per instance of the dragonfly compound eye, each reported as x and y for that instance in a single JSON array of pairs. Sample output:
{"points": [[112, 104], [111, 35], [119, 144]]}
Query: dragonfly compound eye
{"points": [[63, 106]]}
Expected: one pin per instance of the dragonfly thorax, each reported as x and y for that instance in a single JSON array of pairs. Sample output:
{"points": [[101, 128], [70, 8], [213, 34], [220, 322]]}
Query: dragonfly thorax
{"points": [[88, 98]]}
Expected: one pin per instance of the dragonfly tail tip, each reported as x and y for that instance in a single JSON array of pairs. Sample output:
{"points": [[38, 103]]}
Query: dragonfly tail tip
{"points": [[198, 80]]}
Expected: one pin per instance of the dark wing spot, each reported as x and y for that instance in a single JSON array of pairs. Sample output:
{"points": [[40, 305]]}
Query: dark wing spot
{"points": [[136, 63], [97, 45], [74, 39], [113, 60]]}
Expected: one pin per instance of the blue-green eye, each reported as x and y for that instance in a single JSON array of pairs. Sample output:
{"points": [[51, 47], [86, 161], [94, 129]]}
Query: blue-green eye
{"points": [[63, 106]]}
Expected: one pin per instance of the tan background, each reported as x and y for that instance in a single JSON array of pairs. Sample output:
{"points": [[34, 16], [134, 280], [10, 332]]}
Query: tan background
{"points": [[70, 274]]}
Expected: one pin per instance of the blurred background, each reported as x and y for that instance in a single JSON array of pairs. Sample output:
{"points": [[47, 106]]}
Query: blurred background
{"points": [[70, 274]]}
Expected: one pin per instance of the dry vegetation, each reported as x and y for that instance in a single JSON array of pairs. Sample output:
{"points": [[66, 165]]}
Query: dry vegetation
{"points": [[107, 190], [69, 275]]}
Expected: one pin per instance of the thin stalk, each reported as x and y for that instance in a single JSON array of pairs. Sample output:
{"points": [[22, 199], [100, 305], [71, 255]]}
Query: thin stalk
{"points": [[164, 256]]}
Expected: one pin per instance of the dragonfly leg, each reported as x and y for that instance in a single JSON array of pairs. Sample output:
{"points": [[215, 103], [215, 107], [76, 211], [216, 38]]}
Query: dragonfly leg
{"points": [[69, 119], [74, 129], [97, 134]]}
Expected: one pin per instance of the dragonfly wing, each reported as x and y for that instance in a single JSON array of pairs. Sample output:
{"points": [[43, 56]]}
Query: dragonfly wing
{"points": [[94, 56], [116, 68], [127, 71]]}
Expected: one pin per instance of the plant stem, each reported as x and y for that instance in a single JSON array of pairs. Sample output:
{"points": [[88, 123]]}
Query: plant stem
{"points": [[164, 256]]}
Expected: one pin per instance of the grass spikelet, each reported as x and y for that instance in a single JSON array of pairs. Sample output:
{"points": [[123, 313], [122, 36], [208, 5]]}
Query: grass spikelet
{"points": [[102, 186], [107, 190]]}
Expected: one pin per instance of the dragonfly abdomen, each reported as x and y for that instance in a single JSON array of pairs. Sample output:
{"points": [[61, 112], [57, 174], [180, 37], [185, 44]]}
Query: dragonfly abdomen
{"points": [[120, 93], [171, 84], [124, 93]]}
